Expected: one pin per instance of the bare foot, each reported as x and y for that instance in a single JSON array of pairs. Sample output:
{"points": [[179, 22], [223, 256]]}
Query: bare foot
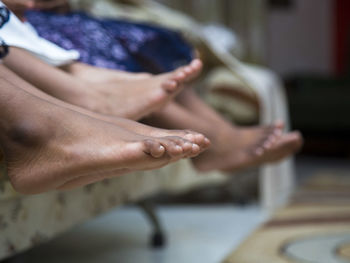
{"points": [[198, 140], [243, 148], [131, 96], [47, 146], [139, 128], [106, 92]]}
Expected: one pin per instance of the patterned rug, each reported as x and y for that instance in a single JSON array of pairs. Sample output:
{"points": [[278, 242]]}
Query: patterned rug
{"points": [[314, 228]]}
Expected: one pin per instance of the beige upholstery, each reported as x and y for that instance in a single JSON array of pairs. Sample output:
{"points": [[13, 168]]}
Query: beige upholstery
{"points": [[29, 220]]}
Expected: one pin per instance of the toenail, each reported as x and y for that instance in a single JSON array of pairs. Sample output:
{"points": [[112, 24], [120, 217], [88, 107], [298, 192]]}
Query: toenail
{"points": [[200, 137], [181, 75], [172, 83], [178, 148], [272, 139], [195, 147], [267, 145], [188, 70], [197, 63], [187, 144], [259, 151], [279, 123]]}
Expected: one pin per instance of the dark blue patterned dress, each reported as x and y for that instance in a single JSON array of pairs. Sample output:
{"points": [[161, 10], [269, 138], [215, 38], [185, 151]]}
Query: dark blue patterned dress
{"points": [[4, 18], [114, 44]]}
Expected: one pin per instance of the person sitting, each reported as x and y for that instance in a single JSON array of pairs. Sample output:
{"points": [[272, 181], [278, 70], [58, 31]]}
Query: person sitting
{"points": [[49, 144], [233, 148]]}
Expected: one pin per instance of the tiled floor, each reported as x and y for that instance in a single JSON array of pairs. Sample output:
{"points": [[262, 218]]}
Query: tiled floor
{"points": [[203, 234]]}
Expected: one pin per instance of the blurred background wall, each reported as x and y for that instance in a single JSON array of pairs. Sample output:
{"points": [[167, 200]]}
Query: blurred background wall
{"points": [[300, 37], [307, 42], [290, 36]]}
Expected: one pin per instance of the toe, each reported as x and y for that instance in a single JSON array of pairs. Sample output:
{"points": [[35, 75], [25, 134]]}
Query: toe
{"points": [[195, 150], [259, 151], [270, 140], [199, 139], [172, 147], [197, 64], [287, 145], [279, 124], [273, 138], [187, 148], [269, 129], [190, 137], [278, 132], [158, 152], [207, 143], [180, 75], [188, 70], [297, 140], [170, 85], [267, 145], [196, 67], [154, 148], [278, 128], [185, 145]]}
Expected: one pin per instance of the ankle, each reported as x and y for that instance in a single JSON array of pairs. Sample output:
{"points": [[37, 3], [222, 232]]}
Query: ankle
{"points": [[26, 141], [27, 133]]}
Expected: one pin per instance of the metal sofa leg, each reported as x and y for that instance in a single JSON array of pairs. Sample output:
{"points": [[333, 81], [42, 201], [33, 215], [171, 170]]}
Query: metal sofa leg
{"points": [[158, 237]]}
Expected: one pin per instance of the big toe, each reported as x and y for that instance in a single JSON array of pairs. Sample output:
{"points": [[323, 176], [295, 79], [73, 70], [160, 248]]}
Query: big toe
{"points": [[287, 145], [154, 148], [197, 64], [279, 125], [193, 69], [170, 85], [189, 72], [296, 140]]}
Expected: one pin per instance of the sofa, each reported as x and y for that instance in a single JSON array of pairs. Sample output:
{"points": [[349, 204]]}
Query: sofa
{"points": [[241, 92]]}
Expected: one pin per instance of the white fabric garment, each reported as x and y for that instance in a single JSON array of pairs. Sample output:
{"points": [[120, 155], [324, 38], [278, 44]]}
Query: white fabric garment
{"points": [[23, 35]]}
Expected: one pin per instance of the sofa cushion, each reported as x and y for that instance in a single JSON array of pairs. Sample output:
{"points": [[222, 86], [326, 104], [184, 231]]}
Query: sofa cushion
{"points": [[29, 220], [6, 189]]}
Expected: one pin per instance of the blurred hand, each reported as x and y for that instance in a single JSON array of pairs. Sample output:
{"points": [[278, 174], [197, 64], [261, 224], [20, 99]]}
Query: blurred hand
{"points": [[20, 6]]}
